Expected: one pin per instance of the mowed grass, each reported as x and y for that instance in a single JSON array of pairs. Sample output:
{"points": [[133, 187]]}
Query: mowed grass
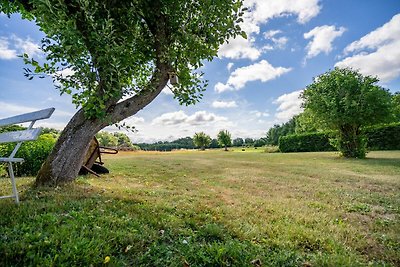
{"points": [[212, 208]]}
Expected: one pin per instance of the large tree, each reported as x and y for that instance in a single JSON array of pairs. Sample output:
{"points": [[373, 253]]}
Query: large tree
{"points": [[346, 101], [119, 55], [224, 139]]}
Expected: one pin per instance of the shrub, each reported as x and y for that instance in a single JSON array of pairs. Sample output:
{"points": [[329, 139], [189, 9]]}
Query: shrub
{"points": [[379, 137], [384, 137], [306, 142], [34, 154]]}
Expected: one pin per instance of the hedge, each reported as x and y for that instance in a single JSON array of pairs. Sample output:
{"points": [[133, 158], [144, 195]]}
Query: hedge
{"points": [[380, 137], [305, 142], [384, 137]]}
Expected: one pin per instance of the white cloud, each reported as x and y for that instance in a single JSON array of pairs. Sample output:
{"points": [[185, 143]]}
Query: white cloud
{"points": [[11, 47], [5, 51], [167, 91], [289, 105], [229, 66], [26, 46], [240, 48], [386, 34], [180, 117], [322, 39], [134, 120], [202, 117], [262, 71], [264, 10], [260, 12], [278, 42], [377, 53], [224, 104], [270, 34], [171, 118]]}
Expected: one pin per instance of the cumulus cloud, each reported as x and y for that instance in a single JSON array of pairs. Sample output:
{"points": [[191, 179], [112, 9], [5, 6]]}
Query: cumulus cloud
{"points": [[389, 32], [26, 46], [260, 12], [134, 120], [376, 53], [240, 48], [180, 117], [5, 51], [264, 10], [171, 118], [262, 71], [11, 47], [322, 39], [224, 104], [289, 105], [278, 42], [202, 117]]}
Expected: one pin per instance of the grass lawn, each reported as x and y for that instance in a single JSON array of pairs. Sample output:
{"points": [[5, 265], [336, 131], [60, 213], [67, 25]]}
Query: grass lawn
{"points": [[212, 208]]}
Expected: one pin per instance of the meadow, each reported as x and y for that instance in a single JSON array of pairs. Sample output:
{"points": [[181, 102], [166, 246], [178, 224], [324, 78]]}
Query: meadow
{"points": [[211, 208]]}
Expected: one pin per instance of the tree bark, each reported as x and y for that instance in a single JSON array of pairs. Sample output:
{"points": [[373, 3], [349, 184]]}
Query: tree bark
{"points": [[66, 158]]}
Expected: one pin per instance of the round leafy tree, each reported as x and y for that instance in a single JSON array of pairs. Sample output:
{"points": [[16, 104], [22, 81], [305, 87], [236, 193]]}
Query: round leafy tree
{"points": [[224, 139], [346, 101], [201, 140]]}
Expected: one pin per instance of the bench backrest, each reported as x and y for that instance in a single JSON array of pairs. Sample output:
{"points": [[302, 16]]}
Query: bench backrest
{"points": [[32, 116], [20, 136], [24, 135]]}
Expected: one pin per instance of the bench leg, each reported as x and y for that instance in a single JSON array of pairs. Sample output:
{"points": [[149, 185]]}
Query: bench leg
{"points": [[14, 186]]}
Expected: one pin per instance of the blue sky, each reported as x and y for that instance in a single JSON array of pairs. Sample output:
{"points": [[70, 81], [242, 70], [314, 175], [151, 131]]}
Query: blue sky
{"points": [[254, 83]]}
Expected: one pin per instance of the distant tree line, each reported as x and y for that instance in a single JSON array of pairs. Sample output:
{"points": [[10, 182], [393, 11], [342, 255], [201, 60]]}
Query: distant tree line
{"points": [[188, 143]]}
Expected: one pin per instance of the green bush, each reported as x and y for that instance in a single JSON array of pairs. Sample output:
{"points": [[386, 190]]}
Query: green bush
{"points": [[384, 137], [380, 137], [306, 142], [34, 154]]}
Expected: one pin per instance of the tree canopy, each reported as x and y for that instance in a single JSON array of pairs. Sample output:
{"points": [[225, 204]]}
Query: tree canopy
{"points": [[346, 101]]}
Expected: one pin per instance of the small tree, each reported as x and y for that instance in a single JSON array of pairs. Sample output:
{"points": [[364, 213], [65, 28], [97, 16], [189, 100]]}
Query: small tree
{"points": [[346, 101], [201, 140], [224, 139]]}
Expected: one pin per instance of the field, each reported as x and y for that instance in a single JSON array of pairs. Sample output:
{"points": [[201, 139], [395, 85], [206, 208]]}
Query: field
{"points": [[212, 208]]}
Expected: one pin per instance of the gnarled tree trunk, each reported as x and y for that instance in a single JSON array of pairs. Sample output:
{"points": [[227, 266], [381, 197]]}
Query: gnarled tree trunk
{"points": [[66, 159]]}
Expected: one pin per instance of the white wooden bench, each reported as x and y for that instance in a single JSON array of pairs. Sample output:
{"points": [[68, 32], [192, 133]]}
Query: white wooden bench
{"points": [[19, 137]]}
